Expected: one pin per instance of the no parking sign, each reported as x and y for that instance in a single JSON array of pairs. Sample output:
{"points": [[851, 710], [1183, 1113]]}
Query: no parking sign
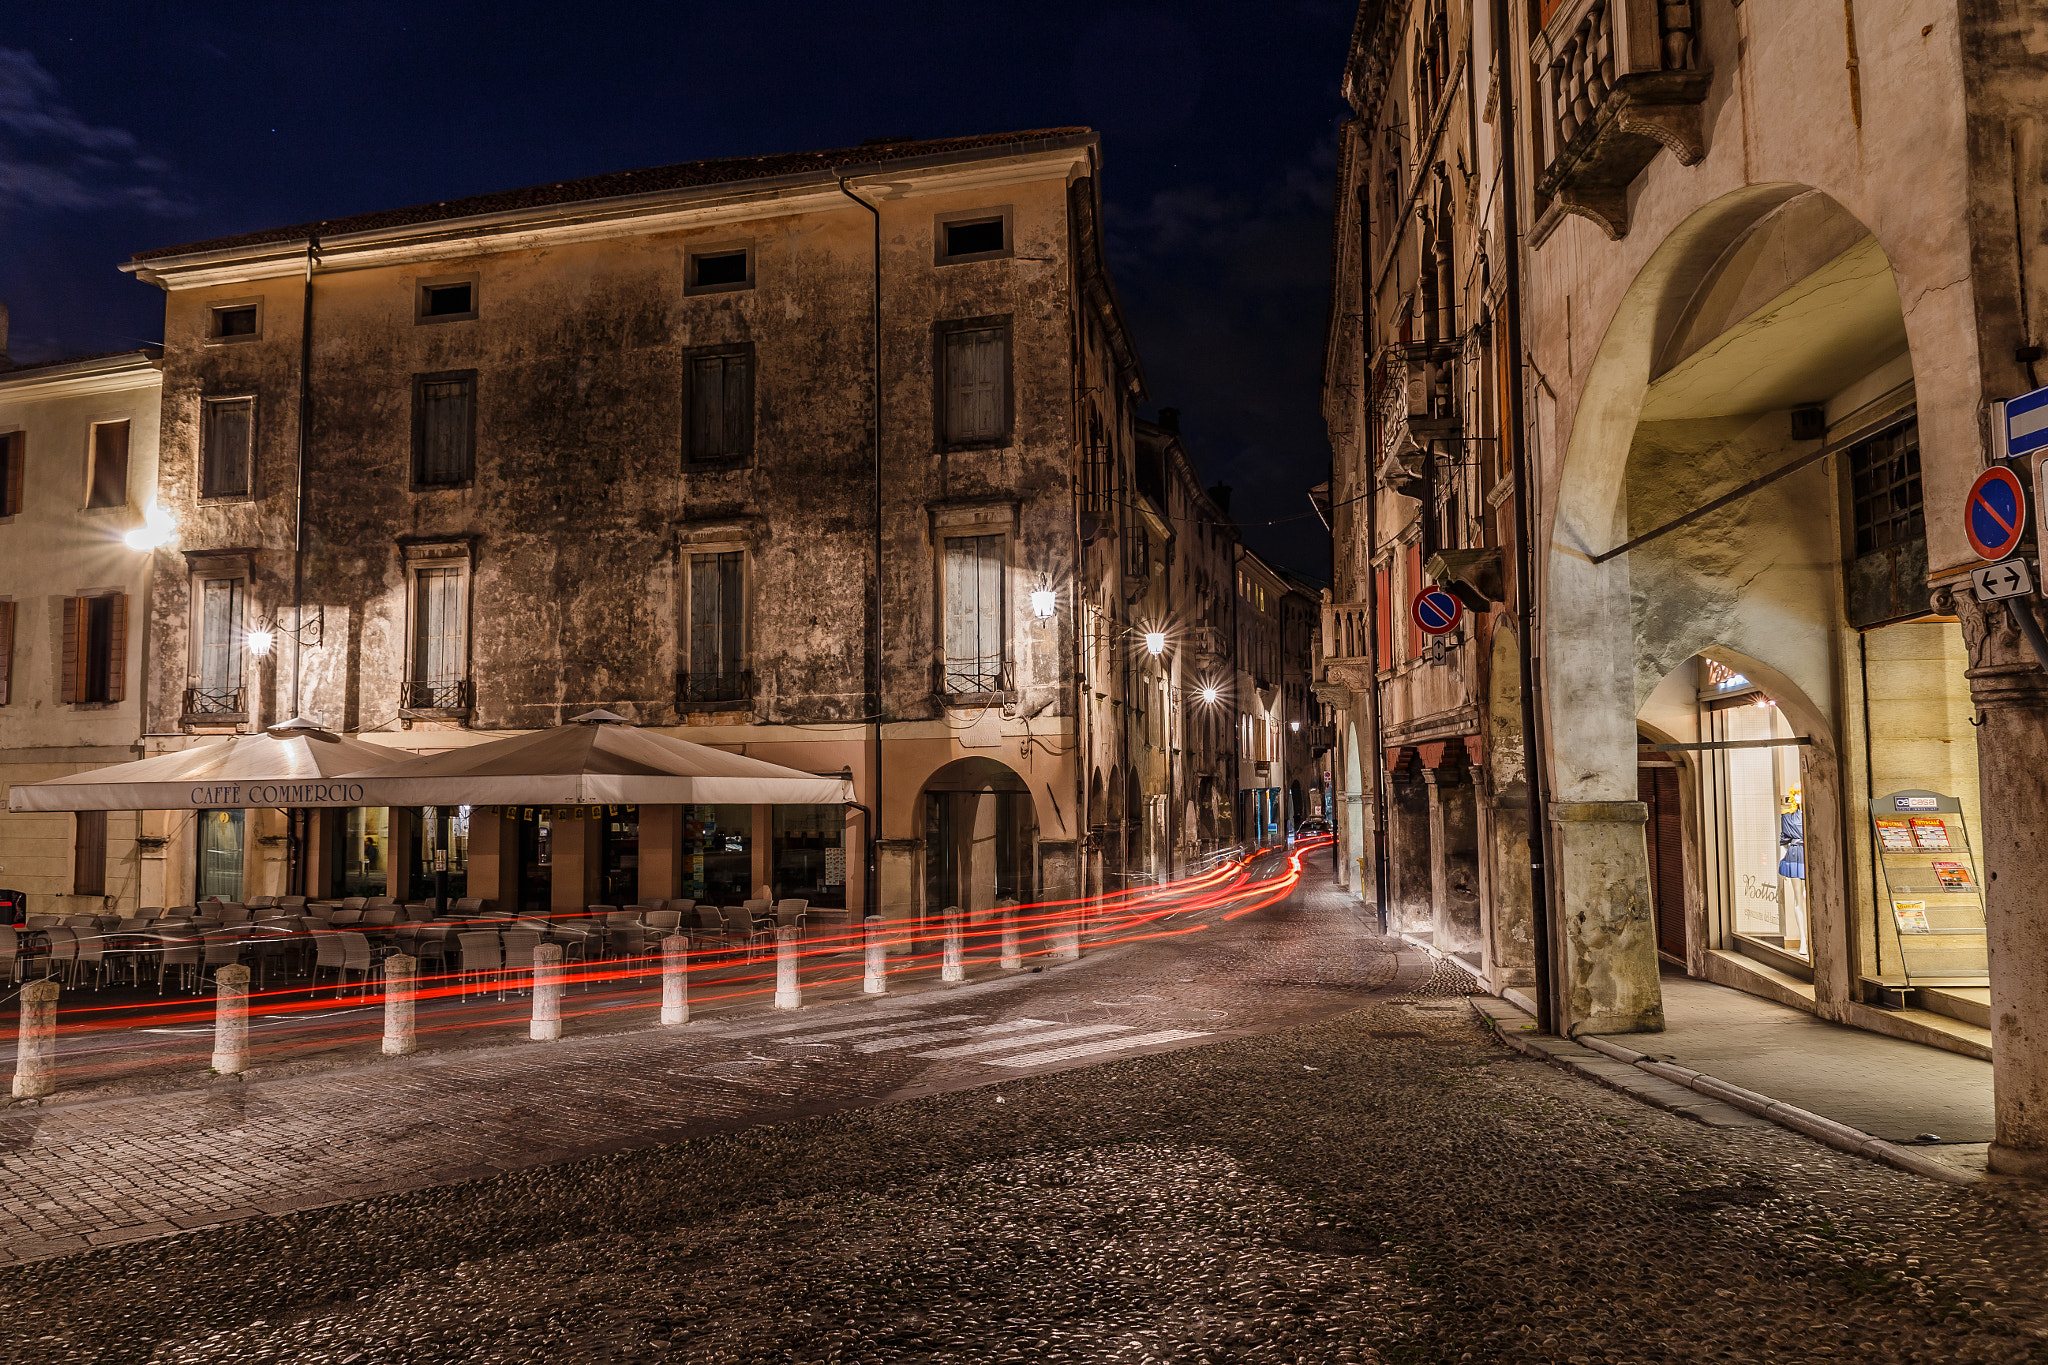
{"points": [[1995, 513], [1435, 612]]}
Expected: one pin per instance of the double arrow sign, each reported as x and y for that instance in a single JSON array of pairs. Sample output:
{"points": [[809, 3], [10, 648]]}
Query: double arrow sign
{"points": [[2007, 579]]}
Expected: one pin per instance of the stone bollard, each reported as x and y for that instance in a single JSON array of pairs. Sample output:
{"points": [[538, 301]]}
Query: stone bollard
{"points": [[951, 966], [675, 979], [1013, 958], [1066, 939], [547, 993], [789, 992], [398, 998], [231, 1020], [34, 1065], [876, 980]]}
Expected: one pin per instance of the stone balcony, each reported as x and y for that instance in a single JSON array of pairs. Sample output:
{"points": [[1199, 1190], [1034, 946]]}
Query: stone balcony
{"points": [[1620, 81]]}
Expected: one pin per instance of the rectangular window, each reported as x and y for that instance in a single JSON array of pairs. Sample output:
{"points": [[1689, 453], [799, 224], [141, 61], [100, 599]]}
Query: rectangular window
{"points": [[220, 855], [981, 237], [236, 321], [6, 652], [444, 429], [974, 384], [1884, 474], [440, 658], [13, 456], [1413, 585], [89, 854], [219, 691], [974, 614], [95, 662], [109, 465], [718, 270], [229, 445], [720, 403], [451, 302], [717, 670]]}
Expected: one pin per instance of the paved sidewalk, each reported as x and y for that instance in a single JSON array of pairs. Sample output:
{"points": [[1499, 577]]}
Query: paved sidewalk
{"points": [[94, 1173]]}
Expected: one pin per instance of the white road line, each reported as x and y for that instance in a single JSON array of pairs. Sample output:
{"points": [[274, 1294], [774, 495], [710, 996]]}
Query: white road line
{"points": [[876, 1028], [1057, 1035], [913, 1039], [1061, 1054], [761, 1030]]}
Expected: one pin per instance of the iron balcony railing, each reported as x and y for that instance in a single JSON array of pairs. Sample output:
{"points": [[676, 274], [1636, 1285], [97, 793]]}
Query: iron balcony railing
{"points": [[440, 695], [969, 677], [701, 689], [213, 701]]}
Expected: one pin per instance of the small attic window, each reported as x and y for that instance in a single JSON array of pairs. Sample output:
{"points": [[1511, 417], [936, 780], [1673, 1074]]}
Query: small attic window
{"points": [[971, 239], [238, 320], [447, 300], [980, 235], [719, 269]]}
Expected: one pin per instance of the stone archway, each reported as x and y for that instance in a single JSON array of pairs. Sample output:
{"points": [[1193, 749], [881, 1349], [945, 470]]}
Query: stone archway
{"points": [[981, 836]]}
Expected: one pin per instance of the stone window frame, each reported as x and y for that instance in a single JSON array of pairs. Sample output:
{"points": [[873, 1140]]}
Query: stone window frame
{"points": [[691, 355], [419, 429], [697, 250], [200, 567], [92, 460], [421, 286], [1007, 213], [13, 472], [207, 402], [996, 517], [216, 307], [1006, 324], [438, 552]]}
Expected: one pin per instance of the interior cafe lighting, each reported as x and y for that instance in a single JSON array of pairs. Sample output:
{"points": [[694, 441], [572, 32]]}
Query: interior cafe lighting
{"points": [[1155, 642], [1044, 602], [157, 528]]}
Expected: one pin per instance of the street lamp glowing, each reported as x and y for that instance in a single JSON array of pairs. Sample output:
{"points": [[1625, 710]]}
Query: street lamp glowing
{"points": [[1044, 602], [1155, 642], [260, 641], [1294, 725], [156, 529], [1210, 694]]}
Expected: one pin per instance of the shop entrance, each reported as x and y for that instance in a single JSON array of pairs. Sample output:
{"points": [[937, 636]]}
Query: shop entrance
{"points": [[536, 862], [980, 837], [439, 831]]}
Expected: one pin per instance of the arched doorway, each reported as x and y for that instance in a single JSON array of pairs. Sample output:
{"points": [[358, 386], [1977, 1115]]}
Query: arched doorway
{"points": [[981, 837]]}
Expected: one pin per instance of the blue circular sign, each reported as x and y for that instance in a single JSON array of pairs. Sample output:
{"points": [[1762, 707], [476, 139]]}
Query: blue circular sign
{"points": [[1436, 612], [1995, 514]]}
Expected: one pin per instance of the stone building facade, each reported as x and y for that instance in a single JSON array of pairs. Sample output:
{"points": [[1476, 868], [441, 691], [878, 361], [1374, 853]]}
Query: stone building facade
{"points": [[78, 456], [1737, 287]]}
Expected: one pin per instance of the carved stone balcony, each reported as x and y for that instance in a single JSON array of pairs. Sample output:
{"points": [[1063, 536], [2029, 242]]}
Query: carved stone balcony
{"points": [[1621, 81]]}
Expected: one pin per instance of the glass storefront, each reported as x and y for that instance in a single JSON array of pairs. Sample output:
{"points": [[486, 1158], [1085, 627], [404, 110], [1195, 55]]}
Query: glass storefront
{"points": [[718, 853], [220, 855], [810, 855], [536, 859], [619, 855], [1756, 840], [365, 849], [439, 829]]}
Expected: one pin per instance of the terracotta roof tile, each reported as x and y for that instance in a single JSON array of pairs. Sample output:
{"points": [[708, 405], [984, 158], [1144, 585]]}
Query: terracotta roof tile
{"points": [[720, 171]]}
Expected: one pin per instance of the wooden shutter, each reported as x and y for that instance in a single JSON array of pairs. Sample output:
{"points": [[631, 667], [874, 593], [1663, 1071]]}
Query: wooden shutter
{"points": [[974, 622], [6, 652], [230, 439], [974, 385], [13, 460], [117, 648], [1658, 788], [89, 854], [74, 636], [445, 407], [1384, 625], [109, 465], [719, 408]]}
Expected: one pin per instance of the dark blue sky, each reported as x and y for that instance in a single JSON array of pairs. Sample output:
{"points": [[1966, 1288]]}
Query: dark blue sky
{"points": [[125, 126]]}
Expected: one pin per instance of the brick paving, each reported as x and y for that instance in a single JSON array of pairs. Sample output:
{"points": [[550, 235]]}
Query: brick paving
{"points": [[122, 1169]]}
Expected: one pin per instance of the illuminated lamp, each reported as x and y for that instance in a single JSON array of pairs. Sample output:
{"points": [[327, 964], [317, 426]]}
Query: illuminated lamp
{"points": [[1155, 642]]}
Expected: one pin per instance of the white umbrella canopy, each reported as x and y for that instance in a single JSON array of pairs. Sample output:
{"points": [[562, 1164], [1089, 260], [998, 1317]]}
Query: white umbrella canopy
{"points": [[597, 758], [291, 764]]}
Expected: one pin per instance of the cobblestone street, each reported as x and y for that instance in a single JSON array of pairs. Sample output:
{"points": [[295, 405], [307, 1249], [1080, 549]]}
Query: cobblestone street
{"points": [[1260, 1189]]}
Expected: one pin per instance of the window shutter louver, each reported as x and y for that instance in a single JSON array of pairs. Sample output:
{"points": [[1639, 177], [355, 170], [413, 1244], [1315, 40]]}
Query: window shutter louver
{"points": [[74, 633], [117, 650], [974, 385]]}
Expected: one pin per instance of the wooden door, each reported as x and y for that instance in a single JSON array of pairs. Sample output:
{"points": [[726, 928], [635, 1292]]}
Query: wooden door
{"points": [[1657, 787]]}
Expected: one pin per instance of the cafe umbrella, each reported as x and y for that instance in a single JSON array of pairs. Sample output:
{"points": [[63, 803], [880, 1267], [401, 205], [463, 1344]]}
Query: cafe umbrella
{"points": [[295, 763]]}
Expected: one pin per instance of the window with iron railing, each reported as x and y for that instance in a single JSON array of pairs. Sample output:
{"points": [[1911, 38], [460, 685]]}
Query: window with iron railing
{"points": [[213, 701], [715, 669], [440, 652], [697, 689], [451, 695], [973, 586]]}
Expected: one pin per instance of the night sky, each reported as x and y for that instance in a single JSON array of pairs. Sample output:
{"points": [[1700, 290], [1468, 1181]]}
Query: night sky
{"points": [[125, 126]]}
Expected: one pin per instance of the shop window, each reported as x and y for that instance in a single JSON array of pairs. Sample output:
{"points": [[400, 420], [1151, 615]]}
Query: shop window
{"points": [[220, 855], [717, 853], [810, 855], [109, 477], [365, 851], [536, 860], [1887, 570], [973, 592], [1754, 818], [89, 854], [619, 855], [440, 843]]}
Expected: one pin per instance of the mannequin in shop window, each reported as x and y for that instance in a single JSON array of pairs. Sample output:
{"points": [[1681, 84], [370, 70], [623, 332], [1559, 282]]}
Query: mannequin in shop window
{"points": [[1792, 868]]}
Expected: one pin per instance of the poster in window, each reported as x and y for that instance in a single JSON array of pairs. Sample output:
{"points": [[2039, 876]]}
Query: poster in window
{"points": [[1894, 836], [835, 867], [1953, 877], [1912, 917], [1930, 834]]}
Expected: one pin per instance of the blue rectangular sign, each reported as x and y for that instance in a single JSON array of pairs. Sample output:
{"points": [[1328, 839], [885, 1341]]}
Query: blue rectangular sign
{"points": [[2023, 423]]}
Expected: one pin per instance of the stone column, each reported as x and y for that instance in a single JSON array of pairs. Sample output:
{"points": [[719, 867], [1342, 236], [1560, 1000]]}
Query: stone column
{"points": [[399, 1038], [1607, 969], [675, 979], [34, 1061], [875, 980], [397, 851], [789, 991], [2011, 694], [952, 962], [547, 993], [231, 1020]]}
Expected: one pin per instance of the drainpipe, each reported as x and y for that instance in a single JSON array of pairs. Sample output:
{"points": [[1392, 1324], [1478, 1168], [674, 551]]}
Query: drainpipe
{"points": [[875, 591], [305, 433], [1533, 762]]}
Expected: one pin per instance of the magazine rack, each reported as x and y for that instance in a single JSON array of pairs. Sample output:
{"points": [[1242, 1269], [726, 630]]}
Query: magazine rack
{"points": [[1931, 889]]}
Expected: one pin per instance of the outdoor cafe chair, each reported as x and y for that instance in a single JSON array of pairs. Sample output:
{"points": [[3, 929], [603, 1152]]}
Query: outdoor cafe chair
{"points": [[519, 945], [381, 919], [41, 921], [292, 902], [483, 957], [223, 949], [89, 956], [741, 924], [181, 953], [354, 902], [62, 952], [430, 944], [235, 914], [10, 953], [664, 921], [150, 914], [345, 917], [580, 941], [710, 924], [356, 957], [421, 912], [790, 913], [469, 905]]}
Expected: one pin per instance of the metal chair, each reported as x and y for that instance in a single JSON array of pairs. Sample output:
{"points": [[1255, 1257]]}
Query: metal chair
{"points": [[222, 950], [10, 953], [63, 951], [741, 924], [345, 917], [483, 957], [789, 914], [180, 952], [88, 954], [356, 957]]}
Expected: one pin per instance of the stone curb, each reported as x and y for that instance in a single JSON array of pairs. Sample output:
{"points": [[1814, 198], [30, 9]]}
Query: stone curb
{"points": [[1840, 1136]]}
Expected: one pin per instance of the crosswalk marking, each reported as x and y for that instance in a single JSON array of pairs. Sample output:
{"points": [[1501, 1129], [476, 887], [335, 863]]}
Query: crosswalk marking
{"points": [[877, 1028], [1061, 1054], [1057, 1035], [913, 1039], [761, 1030]]}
